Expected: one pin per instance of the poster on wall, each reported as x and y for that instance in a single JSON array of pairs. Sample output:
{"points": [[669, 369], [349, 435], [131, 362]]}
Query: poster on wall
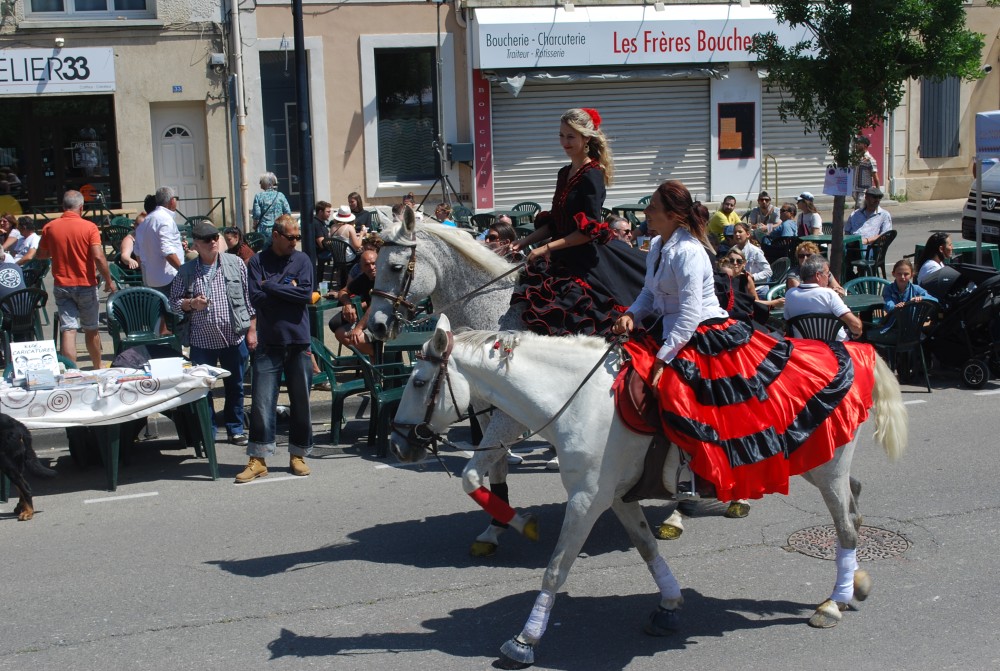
{"points": [[737, 130]]}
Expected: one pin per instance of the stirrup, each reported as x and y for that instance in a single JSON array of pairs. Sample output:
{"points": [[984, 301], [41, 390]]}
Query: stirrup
{"points": [[684, 484]]}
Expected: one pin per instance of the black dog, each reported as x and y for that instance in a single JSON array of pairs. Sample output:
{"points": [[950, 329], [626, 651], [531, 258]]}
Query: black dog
{"points": [[16, 456]]}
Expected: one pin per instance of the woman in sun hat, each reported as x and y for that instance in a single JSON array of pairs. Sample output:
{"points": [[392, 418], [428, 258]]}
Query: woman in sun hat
{"points": [[342, 226], [809, 221]]}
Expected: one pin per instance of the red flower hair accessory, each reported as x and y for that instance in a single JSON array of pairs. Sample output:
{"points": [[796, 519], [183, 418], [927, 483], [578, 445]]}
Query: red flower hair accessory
{"points": [[594, 116]]}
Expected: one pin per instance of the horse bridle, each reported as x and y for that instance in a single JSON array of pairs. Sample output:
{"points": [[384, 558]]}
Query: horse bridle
{"points": [[404, 290], [421, 434]]}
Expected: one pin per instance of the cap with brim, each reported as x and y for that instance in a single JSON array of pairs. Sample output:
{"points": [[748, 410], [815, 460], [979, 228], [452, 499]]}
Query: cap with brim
{"points": [[344, 214], [874, 192], [805, 195], [203, 230], [729, 230]]}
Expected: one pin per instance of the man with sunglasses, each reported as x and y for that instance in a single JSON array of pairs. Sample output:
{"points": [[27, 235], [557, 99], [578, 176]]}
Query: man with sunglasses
{"points": [[281, 288], [871, 221], [622, 228], [786, 227], [764, 217], [219, 323]]}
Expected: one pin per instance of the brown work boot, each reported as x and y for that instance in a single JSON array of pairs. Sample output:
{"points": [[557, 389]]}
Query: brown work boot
{"points": [[255, 469], [298, 465]]}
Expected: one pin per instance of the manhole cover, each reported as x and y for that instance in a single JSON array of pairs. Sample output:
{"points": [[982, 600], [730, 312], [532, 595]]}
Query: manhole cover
{"points": [[873, 543]]}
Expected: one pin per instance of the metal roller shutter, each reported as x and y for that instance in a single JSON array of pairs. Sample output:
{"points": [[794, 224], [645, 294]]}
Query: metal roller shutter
{"points": [[658, 130], [802, 159]]}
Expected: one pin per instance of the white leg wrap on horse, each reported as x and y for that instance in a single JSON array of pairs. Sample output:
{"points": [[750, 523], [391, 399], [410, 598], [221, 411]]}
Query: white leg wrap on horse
{"points": [[665, 580], [539, 618], [847, 564]]}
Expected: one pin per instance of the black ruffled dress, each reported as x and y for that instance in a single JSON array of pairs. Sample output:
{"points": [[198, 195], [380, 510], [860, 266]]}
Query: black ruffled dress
{"points": [[585, 288]]}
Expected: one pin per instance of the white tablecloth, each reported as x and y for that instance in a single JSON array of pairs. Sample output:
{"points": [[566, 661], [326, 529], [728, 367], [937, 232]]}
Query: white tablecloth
{"points": [[107, 402]]}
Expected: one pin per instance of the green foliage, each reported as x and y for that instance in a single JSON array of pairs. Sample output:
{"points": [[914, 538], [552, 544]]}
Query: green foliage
{"points": [[850, 74]]}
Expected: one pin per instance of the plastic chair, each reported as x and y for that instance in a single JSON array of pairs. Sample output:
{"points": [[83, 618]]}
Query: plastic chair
{"points": [[780, 248], [385, 384], [779, 271], [777, 291], [330, 366], [122, 220], [112, 236], [645, 200], [827, 228], [909, 330], [19, 320], [125, 278], [872, 286], [526, 212], [814, 326], [872, 262], [342, 259], [255, 241], [191, 221], [34, 272], [483, 221], [134, 318], [461, 215]]}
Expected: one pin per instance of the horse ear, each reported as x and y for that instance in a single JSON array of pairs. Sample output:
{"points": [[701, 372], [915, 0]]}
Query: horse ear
{"points": [[409, 222], [439, 341]]}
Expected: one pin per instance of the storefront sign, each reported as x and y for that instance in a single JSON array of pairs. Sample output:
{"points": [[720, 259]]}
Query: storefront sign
{"points": [[482, 128], [32, 71], [553, 37]]}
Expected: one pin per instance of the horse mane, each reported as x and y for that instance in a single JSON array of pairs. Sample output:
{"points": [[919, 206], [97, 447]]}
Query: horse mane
{"points": [[467, 246], [471, 338]]}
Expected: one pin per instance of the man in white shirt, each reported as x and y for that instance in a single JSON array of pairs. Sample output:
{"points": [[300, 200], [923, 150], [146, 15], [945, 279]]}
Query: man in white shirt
{"points": [[814, 296], [871, 221], [27, 245], [158, 243]]}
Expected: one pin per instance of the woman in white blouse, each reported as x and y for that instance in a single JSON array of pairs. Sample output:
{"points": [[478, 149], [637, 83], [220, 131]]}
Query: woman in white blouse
{"points": [[809, 221]]}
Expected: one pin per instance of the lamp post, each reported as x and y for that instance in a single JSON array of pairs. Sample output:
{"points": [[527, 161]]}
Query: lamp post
{"points": [[306, 190]]}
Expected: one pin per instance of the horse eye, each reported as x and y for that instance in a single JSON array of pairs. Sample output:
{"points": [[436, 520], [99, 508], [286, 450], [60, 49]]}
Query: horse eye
{"points": [[396, 267], [418, 383]]}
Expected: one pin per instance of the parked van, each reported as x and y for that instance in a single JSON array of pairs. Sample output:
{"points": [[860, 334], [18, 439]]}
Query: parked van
{"points": [[991, 205]]}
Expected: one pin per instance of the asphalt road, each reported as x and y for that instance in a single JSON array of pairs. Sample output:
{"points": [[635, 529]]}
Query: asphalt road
{"points": [[364, 565]]}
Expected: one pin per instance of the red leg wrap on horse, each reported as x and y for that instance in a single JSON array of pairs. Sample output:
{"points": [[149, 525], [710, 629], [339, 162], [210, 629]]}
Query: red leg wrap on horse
{"points": [[493, 504]]}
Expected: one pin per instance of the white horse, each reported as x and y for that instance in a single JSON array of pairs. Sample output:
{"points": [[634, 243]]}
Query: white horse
{"points": [[533, 378], [445, 263]]}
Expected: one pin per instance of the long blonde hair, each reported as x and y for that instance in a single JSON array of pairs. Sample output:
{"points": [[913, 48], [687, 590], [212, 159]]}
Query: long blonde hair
{"points": [[597, 143]]}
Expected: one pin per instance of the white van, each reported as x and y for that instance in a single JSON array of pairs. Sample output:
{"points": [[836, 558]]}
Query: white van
{"points": [[991, 205]]}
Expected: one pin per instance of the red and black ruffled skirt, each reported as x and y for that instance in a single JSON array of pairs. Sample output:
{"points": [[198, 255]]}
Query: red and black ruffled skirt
{"points": [[752, 410]]}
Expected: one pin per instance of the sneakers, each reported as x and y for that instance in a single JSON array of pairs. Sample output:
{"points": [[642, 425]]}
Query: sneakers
{"points": [[239, 439], [255, 469], [323, 386], [552, 464], [298, 465]]}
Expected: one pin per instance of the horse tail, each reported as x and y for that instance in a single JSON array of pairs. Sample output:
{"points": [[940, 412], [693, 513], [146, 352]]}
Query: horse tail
{"points": [[891, 420]]}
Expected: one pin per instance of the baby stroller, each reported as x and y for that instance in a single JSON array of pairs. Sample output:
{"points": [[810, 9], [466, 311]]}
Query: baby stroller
{"points": [[968, 334]]}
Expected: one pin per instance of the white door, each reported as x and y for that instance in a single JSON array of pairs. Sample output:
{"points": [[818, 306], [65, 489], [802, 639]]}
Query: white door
{"points": [[179, 154]]}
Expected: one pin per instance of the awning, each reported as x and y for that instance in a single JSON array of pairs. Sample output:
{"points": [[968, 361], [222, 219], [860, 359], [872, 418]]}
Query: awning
{"points": [[537, 37]]}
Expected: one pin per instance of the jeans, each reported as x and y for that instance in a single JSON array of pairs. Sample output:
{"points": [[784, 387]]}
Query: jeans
{"points": [[269, 362], [233, 359]]}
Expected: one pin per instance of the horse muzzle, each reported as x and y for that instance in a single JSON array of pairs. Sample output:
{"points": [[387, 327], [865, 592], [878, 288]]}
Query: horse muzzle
{"points": [[411, 442]]}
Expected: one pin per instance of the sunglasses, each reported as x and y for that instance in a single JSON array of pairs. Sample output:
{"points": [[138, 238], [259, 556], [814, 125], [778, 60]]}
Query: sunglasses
{"points": [[803, 256], [210, 238], [737, 261], [788, 211], [763, 200], [493, 237], [293, 238]]}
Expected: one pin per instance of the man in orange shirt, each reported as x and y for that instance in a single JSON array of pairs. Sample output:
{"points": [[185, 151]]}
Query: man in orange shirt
{"points": [[74, 245]]}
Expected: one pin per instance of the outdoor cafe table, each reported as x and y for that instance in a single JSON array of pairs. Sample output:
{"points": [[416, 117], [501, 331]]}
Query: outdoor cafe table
{"points": [[109, 403], [965, 251]]}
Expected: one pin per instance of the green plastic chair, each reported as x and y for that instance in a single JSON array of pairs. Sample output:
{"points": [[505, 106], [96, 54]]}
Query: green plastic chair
{"points": [[330, 366], [385, 384], [35, 271], [814, 326], [777, 291], [873, 286], [112, 236], [526, 212], [134, 318], [125, 278], [19, 317], [483, 221], [461, 215], [255, 240], [645, 200], [873, 262]]}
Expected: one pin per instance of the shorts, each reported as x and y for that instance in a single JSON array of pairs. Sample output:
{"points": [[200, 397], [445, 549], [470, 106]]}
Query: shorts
{"points": [[78, 308], [337, 321]]}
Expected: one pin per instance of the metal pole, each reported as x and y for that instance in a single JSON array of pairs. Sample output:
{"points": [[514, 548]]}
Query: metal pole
{"points": [[445, 198], [979, 210], [306, 191], [243, 215]]}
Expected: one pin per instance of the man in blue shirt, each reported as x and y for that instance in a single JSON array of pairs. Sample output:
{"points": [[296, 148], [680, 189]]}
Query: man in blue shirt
{"points": [[281, 288], [871, 221]]}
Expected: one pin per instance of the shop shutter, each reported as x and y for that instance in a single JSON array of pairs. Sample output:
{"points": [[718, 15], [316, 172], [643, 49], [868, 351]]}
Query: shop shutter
{"points": [[802, 159], [658, 130]]}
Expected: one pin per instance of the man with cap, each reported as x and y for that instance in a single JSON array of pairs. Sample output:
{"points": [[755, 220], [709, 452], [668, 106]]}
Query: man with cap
{"points": [[219, 324], [764, 217], [871, 221], [726, 215], [865, 171]]}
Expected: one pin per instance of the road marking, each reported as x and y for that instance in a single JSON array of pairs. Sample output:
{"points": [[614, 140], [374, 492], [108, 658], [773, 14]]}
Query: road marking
{"points": [[913, 402], [121, 498], [987, 393], [266, 480]]}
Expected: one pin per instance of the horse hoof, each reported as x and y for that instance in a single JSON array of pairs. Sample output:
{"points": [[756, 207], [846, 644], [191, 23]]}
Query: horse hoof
{"points": [[516, 655], [662, 622], [862, 584], [483, 549], [531, 528], [668, 532], [737, 510], [25, 515], [827, 615]]}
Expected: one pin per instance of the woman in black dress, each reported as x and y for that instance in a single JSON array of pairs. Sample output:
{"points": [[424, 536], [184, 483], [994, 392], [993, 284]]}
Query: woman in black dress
{"points": [[574, 281]]}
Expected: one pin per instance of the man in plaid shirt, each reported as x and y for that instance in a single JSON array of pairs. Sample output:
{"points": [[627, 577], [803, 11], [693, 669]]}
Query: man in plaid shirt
{"points": [[220, 325]]}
